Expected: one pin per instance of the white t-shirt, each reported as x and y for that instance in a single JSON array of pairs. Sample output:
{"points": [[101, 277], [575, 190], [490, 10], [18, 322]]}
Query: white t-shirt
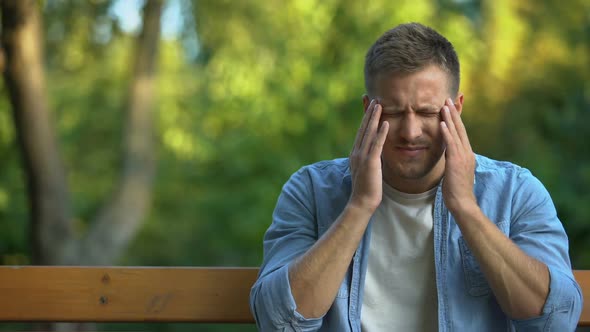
{"points": [[400, 285]]}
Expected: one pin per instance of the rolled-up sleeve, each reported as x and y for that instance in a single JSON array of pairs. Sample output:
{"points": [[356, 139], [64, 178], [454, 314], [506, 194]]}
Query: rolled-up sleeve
{"points": [[292, 232], [537, 230]]}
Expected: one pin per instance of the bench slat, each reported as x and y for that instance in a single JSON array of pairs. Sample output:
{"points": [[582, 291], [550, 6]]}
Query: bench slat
{"points": [[143, 294], [126, 294]]}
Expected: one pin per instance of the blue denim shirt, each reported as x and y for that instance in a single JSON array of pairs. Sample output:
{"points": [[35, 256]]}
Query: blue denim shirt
{"points": [[510, 196]]}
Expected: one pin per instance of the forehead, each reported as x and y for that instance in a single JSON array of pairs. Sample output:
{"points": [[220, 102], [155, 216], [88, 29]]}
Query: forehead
{"points": [[430, 84]]}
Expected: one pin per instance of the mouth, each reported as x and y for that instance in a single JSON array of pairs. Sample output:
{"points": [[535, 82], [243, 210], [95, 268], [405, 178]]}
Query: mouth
{"points": [[411, 151]]}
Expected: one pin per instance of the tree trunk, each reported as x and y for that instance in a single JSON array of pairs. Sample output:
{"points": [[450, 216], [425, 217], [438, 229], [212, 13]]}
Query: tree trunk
{"points": [[52, 238], [119, 219], [51, 230], [50, 221]]}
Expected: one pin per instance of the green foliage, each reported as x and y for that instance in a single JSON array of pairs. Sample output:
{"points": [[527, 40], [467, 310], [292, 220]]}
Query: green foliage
{"points": [[13, 204], [278, 84]]}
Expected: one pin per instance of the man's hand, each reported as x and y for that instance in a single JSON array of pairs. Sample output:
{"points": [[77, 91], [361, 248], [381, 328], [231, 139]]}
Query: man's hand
{"points": [[365, 160], [316, 275], [460, 161], [520, 283]]}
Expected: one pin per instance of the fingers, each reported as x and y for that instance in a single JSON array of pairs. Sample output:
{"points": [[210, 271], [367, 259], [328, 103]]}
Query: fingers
{"points": [[361, 132], [368, 127], [448, 130], [371, 130], [453, 129], [377, 146], [448, 138], [458, 123]]}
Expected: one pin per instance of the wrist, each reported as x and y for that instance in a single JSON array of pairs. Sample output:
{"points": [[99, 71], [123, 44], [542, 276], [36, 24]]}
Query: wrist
{"points": [[363, 201], [466, 211], [359, 210]]}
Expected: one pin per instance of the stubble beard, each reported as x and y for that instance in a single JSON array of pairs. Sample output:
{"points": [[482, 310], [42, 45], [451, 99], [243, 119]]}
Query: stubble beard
{"points": [[412, 170]]}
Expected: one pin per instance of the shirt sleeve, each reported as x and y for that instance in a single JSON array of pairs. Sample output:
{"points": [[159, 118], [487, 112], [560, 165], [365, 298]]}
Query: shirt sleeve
{"points": [[537, 230], [292, 232]]}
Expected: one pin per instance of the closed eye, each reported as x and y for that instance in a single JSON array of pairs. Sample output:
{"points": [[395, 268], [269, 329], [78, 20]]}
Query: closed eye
{"points": [[392, 111], [393, 114], [429, 114]]}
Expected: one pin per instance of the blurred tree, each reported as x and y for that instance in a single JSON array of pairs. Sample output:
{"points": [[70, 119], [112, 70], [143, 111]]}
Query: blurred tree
{"points": [[53, 239], [24, 77]]}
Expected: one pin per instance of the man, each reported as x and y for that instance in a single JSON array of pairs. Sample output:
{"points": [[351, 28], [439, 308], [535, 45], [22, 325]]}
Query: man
{"points": [[414, 232]]}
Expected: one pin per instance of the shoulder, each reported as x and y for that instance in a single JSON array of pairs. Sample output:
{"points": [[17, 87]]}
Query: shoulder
{"points": [[321, 178], [317, 184], [507, 177], [339, 165], [486, 164], [326, 169], [500, 170]]}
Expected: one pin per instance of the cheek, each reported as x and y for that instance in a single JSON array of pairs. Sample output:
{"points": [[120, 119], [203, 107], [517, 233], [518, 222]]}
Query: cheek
{"points": [[391, 125], [391, 134], [437, 138], [434, 130]]}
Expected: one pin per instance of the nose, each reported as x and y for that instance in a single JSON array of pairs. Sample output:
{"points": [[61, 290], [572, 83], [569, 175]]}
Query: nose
{"points": [[410, 127]]}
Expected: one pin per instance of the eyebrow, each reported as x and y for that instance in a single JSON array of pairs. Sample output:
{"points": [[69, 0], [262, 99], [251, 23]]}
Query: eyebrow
{"points": [[391, 108], [424, 107], [428, 107]]}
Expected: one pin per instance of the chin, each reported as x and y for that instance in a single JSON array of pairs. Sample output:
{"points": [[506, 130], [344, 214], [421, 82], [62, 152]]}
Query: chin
{"points": [[417, 171], [412, 175]]}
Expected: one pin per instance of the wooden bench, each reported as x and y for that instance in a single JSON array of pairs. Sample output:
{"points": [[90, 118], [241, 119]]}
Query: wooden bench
{"points": [[142, 294]]}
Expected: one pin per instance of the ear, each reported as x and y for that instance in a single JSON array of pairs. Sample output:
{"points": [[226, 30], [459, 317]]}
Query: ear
{"points": [[366, 102], [459, 102]]}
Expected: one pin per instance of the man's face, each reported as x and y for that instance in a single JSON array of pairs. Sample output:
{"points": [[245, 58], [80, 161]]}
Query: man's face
{"points": [[413, 151]]}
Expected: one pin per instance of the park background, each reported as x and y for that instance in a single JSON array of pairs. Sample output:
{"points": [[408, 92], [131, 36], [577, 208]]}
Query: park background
{"points": [[169, 146]]}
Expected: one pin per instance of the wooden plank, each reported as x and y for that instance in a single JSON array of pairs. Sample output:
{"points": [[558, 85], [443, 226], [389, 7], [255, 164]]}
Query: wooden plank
{"points": [[583, 278], [143, 294], [126, 294]]}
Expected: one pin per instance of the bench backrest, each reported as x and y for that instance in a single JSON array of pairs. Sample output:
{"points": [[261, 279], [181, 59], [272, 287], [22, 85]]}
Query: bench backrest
{"points": [[142, 294], [126, 294]]}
